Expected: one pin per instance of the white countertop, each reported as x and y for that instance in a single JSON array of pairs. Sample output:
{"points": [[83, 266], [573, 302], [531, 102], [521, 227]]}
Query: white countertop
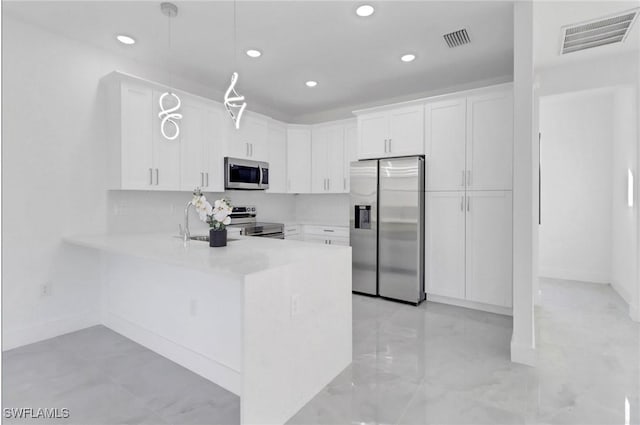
{"points": [[242, 256]]}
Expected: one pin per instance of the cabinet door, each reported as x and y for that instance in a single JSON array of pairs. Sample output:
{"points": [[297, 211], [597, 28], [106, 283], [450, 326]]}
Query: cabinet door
{"points": [[336, 182], [166, 153], [373, 130], [490, 141], [250, 140], [137, 136], [277, 148], [350, 152], [445, 244], [214, 138], [319, 155], [445, 139], [489, 253], [192, 136], [406, 131], [298, 160]]}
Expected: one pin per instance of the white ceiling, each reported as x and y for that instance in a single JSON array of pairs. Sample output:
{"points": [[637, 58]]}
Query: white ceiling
{"points": [[551, 16], [355, 60]]}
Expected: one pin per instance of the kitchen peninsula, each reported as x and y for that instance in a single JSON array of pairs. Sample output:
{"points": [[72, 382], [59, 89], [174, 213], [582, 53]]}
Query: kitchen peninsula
{"points": [[269, 320]]}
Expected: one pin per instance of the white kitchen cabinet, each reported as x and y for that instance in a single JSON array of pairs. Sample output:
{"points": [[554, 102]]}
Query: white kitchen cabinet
{"points": [[489, 242], [277, 148], [327, 155], [140, 157], [202, 137], [166, 153], [445, 244], [132, 126], [445, 144], [250, 140], [298, 159], [395, 132], [468, 240], [328, 235], [490, 140], [350, 151]]}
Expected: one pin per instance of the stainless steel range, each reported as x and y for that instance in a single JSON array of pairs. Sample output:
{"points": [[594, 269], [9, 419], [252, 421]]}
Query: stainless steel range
{"points": [[244, 217]]}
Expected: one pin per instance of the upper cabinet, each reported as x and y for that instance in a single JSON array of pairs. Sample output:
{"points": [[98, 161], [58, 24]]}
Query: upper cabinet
{"points": [[445, 143], [327, 153], [201, 136], [298, 159], [490, 140], [141, 158], [469, 141], [277, 149], [350, 150], [250, 140], [389, 133]]}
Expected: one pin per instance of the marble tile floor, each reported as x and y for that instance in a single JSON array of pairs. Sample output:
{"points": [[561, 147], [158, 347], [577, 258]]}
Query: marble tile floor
{"points": [[431, 364], [439, 364], [104, 378]]}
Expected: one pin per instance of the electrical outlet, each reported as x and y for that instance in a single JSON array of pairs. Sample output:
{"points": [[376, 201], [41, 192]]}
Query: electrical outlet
{"points": [[295, 305], [46, 289], [193, 307]]}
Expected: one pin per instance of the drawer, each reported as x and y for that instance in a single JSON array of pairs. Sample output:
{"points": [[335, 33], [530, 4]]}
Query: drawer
{"points": [[329, 231], [292, 229], [327, 240]]}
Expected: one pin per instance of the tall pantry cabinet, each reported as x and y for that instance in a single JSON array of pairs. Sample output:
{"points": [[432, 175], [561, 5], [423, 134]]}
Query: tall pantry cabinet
{"points": [[468, 232]]}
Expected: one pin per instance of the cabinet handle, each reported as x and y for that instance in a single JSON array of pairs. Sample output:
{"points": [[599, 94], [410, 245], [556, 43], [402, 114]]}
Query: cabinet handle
{"points": [[247, 148], [468, 203], [251, 150], [462, 184], [150, 176], [385, 145], [462, 203], [328, 230], [468, 177], [207, 179], [157, 177], [390, 140], [201, 179], [328, 184]]}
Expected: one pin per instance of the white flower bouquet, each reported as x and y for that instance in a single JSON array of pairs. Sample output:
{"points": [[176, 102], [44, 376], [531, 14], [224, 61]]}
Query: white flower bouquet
{"points": [[216, 215]]}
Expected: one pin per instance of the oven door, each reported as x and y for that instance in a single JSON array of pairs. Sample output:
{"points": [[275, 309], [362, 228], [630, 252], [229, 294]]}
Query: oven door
{"points": [[245, 174]]}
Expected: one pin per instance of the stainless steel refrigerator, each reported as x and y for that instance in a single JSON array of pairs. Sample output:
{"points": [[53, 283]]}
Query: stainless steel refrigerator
{"points": [[387, 228]]}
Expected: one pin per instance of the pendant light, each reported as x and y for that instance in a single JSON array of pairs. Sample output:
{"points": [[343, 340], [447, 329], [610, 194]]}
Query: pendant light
{"points": [[234, 102], [169, 115]]}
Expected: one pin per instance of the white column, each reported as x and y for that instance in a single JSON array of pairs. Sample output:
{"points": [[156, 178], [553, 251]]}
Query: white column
{"points": [[523, 346]]}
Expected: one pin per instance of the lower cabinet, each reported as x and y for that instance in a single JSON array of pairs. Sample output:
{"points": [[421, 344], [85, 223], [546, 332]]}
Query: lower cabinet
{"points": [[468, 240], [328, 235]]}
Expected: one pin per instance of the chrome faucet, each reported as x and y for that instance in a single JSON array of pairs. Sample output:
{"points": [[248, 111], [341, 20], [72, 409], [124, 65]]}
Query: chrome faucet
{"points": [[184, 232]]}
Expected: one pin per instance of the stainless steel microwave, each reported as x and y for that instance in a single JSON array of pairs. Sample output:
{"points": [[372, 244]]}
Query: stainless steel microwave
{"points": [[245, 174]]}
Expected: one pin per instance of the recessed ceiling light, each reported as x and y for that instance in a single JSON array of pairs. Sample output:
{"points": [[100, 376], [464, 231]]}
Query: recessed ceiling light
{"points": [[311, 83], [365, 10], [253, 53], [408, 57], [125, 39]]}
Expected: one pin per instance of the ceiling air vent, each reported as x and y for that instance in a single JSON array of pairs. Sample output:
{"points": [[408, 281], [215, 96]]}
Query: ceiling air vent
{"points": [[457, 38], [599, 32]]}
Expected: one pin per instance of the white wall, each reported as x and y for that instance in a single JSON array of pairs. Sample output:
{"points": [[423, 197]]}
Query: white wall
{"points": [[624, 218], [620, 73], [576, 160]]}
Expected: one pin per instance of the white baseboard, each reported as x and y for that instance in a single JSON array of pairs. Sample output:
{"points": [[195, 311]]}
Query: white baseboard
{"points": [[13, 338], [505, 311], [204, 366], [634, 312], [576, 275], [523, 354]]}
